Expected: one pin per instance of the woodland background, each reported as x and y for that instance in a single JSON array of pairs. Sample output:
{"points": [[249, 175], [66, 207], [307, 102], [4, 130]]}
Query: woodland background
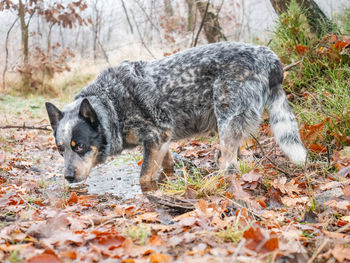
{"points": [[271, 211]]}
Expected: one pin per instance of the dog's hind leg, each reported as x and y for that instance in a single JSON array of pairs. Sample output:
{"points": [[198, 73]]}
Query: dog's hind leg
{"points": [[238, 103], [229, 146]]}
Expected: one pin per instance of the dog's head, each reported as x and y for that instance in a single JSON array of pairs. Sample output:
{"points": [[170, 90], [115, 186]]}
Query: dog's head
{"points": [[79, 138]]}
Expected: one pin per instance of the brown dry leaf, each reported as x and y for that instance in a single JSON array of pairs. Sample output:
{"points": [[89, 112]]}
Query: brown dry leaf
{"points": [[272, 243], [311, 133], [156, 240], [63, 238], [73, 199], [202, 206], [294, 200], [10, 248], [346, 190], [253, 233], [286, 188], [44, 258], [237, 190], [339, 253], [149, 217], [160, 258], [342, 205], [252, 176], [69, 254]]}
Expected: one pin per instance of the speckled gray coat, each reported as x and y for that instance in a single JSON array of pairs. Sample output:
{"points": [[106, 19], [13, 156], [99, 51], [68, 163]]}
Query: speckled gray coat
{"points": [[222, 86]]}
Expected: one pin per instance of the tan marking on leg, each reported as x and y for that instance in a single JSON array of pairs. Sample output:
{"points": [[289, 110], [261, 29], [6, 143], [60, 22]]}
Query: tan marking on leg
{"points": [[132, 138], [168, 167], [151, 166]]}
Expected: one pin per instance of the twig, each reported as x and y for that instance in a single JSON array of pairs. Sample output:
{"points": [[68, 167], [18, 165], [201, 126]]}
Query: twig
{"points": [[43, 128], [141, 38], [268, 43], [7, 55], [268, 158], [201, 26], [127, 17], [290, 66]]}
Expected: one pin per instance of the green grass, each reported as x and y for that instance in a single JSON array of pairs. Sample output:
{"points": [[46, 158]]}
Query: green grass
{"points": [[234, 231], [204, 185], [319, 85], [139, 233]]}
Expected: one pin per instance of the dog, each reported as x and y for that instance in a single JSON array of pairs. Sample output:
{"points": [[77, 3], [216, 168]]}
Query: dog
{"points": [[221, 87]]}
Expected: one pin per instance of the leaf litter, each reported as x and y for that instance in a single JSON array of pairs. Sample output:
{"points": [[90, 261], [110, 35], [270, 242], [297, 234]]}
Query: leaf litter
{"points": [[259, 215]]}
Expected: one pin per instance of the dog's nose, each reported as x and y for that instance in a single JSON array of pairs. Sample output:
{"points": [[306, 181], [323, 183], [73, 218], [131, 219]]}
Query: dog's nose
{"points": [[70, 178]]}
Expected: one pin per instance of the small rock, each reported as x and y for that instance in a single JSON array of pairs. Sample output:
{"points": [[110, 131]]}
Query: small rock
{"points": [[329, 194]]}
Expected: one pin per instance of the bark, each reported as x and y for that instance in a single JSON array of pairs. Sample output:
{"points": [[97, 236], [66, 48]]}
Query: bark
{"points": [[6, 56], [190, 15], [211, 26], [25, 50], [168, 8], [24, 33], [318, 21]]}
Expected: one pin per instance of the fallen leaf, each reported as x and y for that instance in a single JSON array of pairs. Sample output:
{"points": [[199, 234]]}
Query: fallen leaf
{"points": [[44, 258], [73, 199], [346, 190], [272, 243], [252, 176], [160, 258]]}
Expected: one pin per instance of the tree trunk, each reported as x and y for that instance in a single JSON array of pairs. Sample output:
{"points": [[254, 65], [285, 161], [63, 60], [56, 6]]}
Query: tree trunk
{"points": [[318, 21], [168, 8], [25, 39], [212, 29], [190, 15]]}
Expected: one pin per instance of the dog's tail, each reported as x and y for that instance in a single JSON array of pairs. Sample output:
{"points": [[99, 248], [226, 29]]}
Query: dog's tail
{"points": [[284, 125]]}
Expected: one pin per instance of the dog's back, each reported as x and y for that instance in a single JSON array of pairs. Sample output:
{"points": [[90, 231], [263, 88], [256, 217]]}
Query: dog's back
{"points": [[222, 86]]}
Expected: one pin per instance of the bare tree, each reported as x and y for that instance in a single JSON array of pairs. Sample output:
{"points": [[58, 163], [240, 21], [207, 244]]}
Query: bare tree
{"points": [[168, 8], [318, 21], [210, 19], [190, 15]]}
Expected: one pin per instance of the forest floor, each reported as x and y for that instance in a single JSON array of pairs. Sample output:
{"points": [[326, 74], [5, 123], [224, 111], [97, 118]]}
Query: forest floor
{"points": [[271, 212]]}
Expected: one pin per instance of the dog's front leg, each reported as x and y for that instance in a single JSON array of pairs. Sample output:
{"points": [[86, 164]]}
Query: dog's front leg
{"points": [[151, 166]]}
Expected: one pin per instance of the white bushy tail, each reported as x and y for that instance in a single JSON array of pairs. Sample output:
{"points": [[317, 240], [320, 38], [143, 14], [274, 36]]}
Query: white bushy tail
{"points": [[284, 126]]}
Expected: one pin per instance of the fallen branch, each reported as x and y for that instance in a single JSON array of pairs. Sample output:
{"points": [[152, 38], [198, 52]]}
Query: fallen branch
{"points": [[290, 66], [43, 128], [268, 158]]}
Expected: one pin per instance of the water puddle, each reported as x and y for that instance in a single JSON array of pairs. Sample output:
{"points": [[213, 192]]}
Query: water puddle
{"points": [[119, 177]]}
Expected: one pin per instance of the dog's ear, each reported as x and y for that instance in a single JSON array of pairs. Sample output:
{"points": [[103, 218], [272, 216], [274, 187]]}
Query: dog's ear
{"points": [[54, 114], [88, 113]]}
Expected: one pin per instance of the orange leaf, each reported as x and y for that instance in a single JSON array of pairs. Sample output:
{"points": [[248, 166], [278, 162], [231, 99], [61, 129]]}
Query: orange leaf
{"points": [[160, 258], [69, 254], [301, 49], [140, 162], [272, 243], [317, 148], [253, 233], [310, 133], [73, 199], [156, 240], [262, 202], [339, 45], [44, 258]]}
